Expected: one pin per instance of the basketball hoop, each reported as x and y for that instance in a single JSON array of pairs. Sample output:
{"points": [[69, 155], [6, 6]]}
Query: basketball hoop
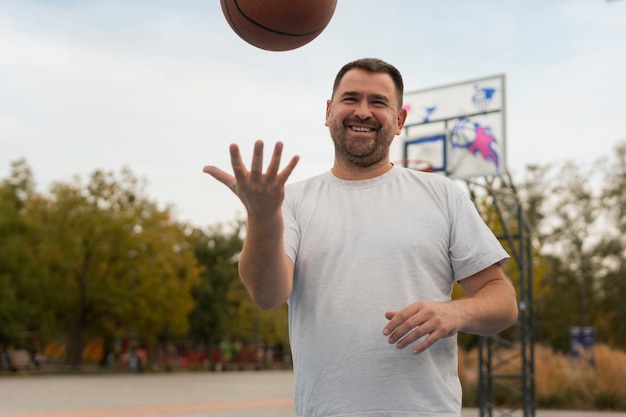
{"points": [[417, 164]]}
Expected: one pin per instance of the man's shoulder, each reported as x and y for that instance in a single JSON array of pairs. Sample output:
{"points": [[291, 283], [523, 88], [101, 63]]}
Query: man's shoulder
{"points": [[302, 184], [424, 177]]}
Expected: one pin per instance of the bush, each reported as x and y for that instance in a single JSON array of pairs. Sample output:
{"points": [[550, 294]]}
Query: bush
{"points": [[560, 381]]}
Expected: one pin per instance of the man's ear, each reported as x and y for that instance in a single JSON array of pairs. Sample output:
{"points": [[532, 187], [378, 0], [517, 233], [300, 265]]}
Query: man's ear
{"points": [[401, 119], [328, 103]]}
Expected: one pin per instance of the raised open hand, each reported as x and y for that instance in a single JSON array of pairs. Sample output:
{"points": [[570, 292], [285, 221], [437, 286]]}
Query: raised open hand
{"points": [[261, 193]]}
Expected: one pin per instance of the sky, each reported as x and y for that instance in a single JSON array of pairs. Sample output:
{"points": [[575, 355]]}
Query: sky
{"points": [[164, 87]]}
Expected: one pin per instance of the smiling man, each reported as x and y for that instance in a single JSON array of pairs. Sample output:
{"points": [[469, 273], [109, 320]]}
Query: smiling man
{"points": [[363, 116], [366, 255]]}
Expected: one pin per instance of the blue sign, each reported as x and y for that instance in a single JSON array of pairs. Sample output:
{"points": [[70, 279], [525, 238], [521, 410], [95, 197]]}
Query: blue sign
{"points": [[582, 340]]}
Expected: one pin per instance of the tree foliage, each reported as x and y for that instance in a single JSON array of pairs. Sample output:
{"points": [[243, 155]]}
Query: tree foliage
{"points": [[218, 295], [223, 309], [578, 215], [108, 261], [98, 259], [612, 251], [19, 265]]}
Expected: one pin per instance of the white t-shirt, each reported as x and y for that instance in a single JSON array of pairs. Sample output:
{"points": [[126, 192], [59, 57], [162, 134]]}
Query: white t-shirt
{"points": [[362, 248]]}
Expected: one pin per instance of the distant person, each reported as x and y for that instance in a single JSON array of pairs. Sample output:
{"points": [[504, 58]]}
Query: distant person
{"points": [[366, 255]]}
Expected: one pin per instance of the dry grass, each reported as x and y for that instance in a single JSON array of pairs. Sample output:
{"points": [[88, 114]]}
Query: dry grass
{"points": [[610, 378], [560, 382]]}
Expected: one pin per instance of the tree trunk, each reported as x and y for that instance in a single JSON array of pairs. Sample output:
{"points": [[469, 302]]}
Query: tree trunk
{"points": [[76, 344]]}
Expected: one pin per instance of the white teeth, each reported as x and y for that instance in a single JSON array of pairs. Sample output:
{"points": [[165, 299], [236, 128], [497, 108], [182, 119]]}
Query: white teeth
{"points": [[361, 129]]}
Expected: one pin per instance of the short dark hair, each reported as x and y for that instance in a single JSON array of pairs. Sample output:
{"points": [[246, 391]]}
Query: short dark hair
{"points": [[373, 65]]}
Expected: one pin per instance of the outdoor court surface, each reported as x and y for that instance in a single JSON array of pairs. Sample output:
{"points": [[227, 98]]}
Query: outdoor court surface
{"points": [[207, 394]]}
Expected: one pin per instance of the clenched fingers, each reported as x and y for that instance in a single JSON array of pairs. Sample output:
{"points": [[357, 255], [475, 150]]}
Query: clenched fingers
{"points": [[420, 323]]}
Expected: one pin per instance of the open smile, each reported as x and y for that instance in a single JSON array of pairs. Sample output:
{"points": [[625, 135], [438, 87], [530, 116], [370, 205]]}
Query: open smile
{"points": [[364, 129]]}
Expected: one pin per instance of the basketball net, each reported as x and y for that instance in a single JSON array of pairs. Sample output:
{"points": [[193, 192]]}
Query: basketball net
{"points": [[416, 164]]}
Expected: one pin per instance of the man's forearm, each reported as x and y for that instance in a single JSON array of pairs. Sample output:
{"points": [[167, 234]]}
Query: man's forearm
{"points": [[491, 310], [264, 268]]}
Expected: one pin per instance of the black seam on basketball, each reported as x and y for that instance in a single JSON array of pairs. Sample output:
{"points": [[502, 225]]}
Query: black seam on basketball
{"points": [[278, 32], [230, 18]]}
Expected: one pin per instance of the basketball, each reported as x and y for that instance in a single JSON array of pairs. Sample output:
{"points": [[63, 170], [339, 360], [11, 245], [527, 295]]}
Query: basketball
{"points": [[278, 25]]}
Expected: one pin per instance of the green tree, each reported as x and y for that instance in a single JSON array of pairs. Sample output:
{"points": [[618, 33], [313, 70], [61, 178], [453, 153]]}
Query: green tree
{"points": [[223, 309], [612, 321], [19, 268], [115, 262], [574, 235], [570, 208], [219, 292]]}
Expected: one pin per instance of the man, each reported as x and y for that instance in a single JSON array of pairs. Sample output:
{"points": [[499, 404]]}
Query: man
{"points": [[366, 255]]}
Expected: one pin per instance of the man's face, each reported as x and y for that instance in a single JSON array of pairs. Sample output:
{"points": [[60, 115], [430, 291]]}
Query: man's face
{"points": [[363, 117]]}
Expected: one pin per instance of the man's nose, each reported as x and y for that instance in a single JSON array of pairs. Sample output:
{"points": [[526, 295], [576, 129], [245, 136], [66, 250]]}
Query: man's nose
{"points": [[363, 110]]}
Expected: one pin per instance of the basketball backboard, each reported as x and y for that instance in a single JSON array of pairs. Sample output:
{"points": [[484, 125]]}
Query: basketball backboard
{"points": [[458, 128]]}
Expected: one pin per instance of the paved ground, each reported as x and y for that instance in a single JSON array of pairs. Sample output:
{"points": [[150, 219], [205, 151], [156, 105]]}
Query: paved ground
{"points": [[226, 394]]}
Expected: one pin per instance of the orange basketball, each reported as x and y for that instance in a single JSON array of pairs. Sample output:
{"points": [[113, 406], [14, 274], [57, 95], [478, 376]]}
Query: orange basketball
{"points": [[278, 25]]}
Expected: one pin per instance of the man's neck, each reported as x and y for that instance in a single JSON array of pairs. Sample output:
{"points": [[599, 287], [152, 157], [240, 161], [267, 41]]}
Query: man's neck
{"points": [[349, 172]]}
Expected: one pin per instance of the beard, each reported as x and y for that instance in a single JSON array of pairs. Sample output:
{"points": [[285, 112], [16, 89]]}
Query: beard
{"points": [[359, 151]]}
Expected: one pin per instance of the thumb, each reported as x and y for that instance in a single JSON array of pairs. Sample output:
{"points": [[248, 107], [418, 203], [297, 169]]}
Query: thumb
{"points": [[220, 175]]}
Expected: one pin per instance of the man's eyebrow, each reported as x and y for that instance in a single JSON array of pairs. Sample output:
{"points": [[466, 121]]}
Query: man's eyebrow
{"points": [[350, 94], [380, 97]]}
